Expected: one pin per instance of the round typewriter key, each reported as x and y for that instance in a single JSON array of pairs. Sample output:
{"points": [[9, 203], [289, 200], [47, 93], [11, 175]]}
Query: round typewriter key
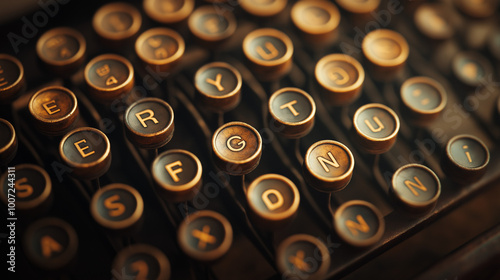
{"points": [[141, 261], [117, 23], [87, 151], [302, 256], [269, 52], [274, 200], [11, 77], [149, 123], [54, 109], [425, 97], [209, 25], [386, 50], [263, 8], [32, 185], [8, 142], [434, 21], [108, 77], [478, 9], [341, 76], [471, 68], [168, 11], [237, 148], [466, 158], [205, 235], [218, 85], [177, 173], [376, 127], [359, 223], [294, 109], [117, 207], [161, 48], [62, 50], [359, 7], [50, 243], [317, 19], [416, 186], [328, 166]]}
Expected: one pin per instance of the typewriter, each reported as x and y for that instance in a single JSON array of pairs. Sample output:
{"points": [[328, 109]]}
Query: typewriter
{"points": [[250, 139]]}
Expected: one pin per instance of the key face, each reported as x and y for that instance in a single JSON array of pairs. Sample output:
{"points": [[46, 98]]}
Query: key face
{"points": [[416, 186], [8, 142], [168, 11], [161, 48], [210, 26], [359, 223], [261, 8], [274, 199], [328, 166], [471, 68], [87, 151], [318, 20], [434, 21], [117, 22], [302, 256], [54, 110], [237, 148], [466, 158], [150, 123], [359, 6], [11, 77], [62, 49], [117, 206], [205, 235], [424, 96], [53, 243], [141, 261], [387, 51], [108, 77], [178, 174], [219, 86]]}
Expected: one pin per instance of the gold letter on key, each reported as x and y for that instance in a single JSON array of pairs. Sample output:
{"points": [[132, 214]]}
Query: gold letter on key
{"points": [[289, 105], [49, 108], [333, 162], [81, 150], [217, 82], [411, 186], [270, 204], [115, 208], [354, 227], [273, 52], [173, 173], [378, 122], [149, 117]]}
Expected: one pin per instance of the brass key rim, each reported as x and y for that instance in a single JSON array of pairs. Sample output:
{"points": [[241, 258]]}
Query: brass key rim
{"points": [[266, 11], [12, 139], [371, 37], [274, 216], [115, 57], [159, 256], [340, 178], [99, 161], [383, 107], [217, 64], [69, 115], [193, 183], [476, 139], [70, 32], [412, 203], [160, 31], [323, 62], [117, 225], [18, 81], [359, 243], [204, 10], [169, 126], [168, 18], [429, 81], [271, 33], [120, 7], [255, 155], [26, 205], [297, 90], [329, 7], [363, 8]]}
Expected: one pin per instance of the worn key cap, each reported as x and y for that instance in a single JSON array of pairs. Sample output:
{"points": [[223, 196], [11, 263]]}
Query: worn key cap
{"points": [[117, 23], [237, 148], [117, 207], [293, 110], [62, 49], [109, 76], [434, 21], [168, 11], [210, 26], [160, 48], [466, 159], [328, 166], [8, 142], [274, 200], [471, 68], [302, 256], [32, 186], [317, 20], [376, 127], [263, 8], [87, 152], [50, 243], [177, 173], [269, 52], [416, 187], [424, 97], [149, 122], [141, 261], [205, 235], [218, 85], [54, 109], [11, 77], [359, 223]]}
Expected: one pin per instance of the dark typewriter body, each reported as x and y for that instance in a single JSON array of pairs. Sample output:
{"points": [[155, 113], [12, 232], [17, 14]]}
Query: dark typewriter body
{"points": [[457, 237]]}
